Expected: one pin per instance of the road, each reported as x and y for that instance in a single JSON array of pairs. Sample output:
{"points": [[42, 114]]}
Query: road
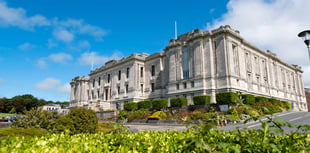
{"points": [[295, 118]]}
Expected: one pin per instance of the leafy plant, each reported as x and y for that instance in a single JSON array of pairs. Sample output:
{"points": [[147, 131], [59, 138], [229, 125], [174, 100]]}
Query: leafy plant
{"points": [[178, 102], [248, 99], [202, 99], [146, 104], [130, 106], [159, 104], [226, 98]]}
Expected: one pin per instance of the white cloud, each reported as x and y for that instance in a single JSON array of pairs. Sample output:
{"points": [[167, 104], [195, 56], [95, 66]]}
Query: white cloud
{"points": [[17, 17], [25, 46], [53, 85], [79, 27], [60, 57], [64, 35], [47, 84], [51, 43], [272, 25], [83, 44], [41, 63], [90, 58], [65, 88]]}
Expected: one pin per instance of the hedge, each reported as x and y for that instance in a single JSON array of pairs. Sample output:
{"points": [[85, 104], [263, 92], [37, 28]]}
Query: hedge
{"points": [[159, 103], [178, 102], [261, 99], [226, 98], [202, 99], [248, 99], [146, 104], [286, 105], [130, 106]]}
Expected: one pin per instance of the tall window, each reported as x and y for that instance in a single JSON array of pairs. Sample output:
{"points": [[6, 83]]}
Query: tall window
{"points": [[141, 88], [118, 90], [141, 72], [108, 78], [126, 88], [106, 94], [93, 82], [184, 85], [256, 65], [119, 75], [98, 93], [153, 70], [235, 59], [99, 81], [193, 84], [153, 87], [177, 86], [248, 62], [185, 63], [127, 73]]}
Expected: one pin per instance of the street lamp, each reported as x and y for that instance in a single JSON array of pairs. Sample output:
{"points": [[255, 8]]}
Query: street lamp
{"points": [[305, 35]]}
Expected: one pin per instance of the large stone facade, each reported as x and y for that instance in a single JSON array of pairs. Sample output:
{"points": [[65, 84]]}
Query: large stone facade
{"points": [[196, 63]]}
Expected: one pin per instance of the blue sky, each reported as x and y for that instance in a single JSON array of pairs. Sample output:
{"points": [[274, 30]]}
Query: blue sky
{"points": [[44, 44]]}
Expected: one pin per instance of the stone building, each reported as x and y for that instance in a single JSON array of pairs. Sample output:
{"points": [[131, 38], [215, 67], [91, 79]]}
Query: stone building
{"points": [[196, 63]]}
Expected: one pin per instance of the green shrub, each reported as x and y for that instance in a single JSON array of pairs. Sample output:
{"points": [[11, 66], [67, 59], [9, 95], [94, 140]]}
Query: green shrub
{"points": [[122, 115], [78, 120], [159, 115], [202, 99], [21, 132], [273, 100], [266, 107], [159, 103], [178, 102], [248, 99], [34, 118], [226, 98], [261, 99], [146, 104], [130, 106], [286, 105], [138, 115]]}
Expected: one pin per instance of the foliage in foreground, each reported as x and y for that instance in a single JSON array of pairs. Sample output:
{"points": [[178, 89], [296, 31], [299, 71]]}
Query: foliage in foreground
{"points": [[20, 132], [196, 139]]}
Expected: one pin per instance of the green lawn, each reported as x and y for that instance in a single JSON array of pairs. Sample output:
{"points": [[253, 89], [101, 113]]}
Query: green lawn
{"points": [[5, 114]]}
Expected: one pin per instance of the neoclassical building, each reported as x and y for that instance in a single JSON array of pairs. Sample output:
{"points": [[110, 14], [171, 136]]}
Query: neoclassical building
{"points": [[196, 63]]}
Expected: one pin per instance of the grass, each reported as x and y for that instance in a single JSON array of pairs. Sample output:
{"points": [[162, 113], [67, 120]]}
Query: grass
{"points": [[6, 114], [21, 132], [106, 126]]}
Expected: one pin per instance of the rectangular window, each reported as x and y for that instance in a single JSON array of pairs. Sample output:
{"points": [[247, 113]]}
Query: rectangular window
{"points": [[184, 95], [141, 88], [93, 82], [108, 78], [118, 90], [153, 87], [185, 62], [235, 59], [106, 94], [153, 70], [178, 86], [126, 88], [98, 93], [141, 72], [119, 75], [184, 85], [99, 81], [127, 74], [193, 84]]}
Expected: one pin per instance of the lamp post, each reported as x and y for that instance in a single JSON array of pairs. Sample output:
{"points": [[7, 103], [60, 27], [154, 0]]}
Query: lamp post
{"points": [[305, 35]]}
